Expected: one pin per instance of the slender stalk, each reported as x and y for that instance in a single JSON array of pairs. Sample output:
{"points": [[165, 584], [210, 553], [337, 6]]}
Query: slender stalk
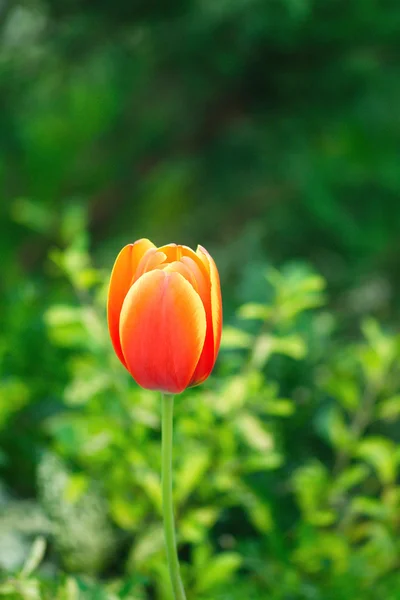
{"points": [[168, 509]]}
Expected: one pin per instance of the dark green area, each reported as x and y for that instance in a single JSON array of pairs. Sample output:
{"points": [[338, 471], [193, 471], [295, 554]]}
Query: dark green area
{"points": [[269, 132]]}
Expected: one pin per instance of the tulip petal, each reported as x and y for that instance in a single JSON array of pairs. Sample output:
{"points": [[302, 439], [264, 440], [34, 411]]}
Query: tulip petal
{"points": [[185, 255], [179, 267], [206, 360], [162, 331], [172, 251], [216, 300], [150, 260], [121, 279]]}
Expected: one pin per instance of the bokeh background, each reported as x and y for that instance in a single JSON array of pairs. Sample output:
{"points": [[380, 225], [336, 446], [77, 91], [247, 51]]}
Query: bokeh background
{"points": [[269, 132]]}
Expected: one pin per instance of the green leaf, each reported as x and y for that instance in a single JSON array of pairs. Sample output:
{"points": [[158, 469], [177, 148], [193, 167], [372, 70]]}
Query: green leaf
{"points": [[254, 433], [87, 382], [351, 477], [233, 394], [233, 338], [148, 543], [35, 557], [32, 214], [389, 409], [76, 487], [311, 484], [65, 325], [380, 453], [193, 468], [218, 572], [71, 589], [293, 346], [369, 507], [256, 311], [262, 462], [344, 388], [262, 349], [280, 408], [128, 512], [258, 509], [322, 548], [196, 523], [333, 427], [151, 484]]}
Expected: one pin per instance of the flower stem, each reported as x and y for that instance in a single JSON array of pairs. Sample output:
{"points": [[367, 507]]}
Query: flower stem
{"points": [[168, 510]]}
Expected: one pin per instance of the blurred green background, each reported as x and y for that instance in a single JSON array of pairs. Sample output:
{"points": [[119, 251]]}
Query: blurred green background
{"points": [[269, 132]]}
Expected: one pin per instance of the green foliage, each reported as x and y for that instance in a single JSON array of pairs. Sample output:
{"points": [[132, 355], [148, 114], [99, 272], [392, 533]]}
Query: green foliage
{"points": [[286, 470], [266, 131]]}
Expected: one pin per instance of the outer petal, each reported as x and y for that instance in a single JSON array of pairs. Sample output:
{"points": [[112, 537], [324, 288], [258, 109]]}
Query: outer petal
{"points": [[201, 273], [206, 361], [162, 331], [216, 300], [120, 282]]}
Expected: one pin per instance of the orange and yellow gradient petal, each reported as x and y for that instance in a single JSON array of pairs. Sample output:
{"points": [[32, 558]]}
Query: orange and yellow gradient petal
{"points": [[162, 331], [121, 279]]}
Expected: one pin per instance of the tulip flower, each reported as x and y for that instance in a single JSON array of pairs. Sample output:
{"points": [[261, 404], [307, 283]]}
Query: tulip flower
{"points": [[165, 317], [165, 314]]}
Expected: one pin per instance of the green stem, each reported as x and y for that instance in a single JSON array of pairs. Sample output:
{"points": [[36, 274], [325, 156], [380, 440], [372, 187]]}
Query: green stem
{"points": [[168, 509]]}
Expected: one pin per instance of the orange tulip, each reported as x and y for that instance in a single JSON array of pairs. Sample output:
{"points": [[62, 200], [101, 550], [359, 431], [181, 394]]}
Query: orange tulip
{"points": [[165, 314]]}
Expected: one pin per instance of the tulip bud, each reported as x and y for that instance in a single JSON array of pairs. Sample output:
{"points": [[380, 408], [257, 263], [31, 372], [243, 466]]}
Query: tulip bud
{"points": [[165, 314]]}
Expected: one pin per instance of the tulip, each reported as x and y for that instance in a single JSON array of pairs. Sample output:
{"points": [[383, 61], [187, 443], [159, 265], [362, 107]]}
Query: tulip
{"points": [[165, 314], [165, 317]]}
